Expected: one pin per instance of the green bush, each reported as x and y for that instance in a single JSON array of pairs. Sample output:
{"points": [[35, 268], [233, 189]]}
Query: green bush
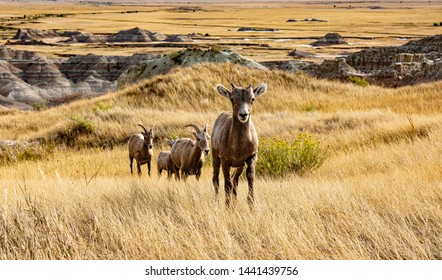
{"points": [[104, 107], [362, 82], [279, 157], [82, 125], [309, 107], [28, 154], [39, 106]]}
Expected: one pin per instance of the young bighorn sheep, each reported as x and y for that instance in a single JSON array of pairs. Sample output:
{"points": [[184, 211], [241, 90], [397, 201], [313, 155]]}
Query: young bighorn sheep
{"points": [[141, 149], [234, 140], [188, 155], [164, 161]]}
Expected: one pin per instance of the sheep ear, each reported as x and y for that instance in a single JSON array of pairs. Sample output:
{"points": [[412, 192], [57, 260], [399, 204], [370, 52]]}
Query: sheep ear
{"points": [[223, 91], [205, 127], [260, 89]]}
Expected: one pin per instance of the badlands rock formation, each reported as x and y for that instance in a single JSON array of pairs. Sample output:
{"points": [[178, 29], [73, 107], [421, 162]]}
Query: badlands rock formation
{"points": [[26, 35], [415, 62], [184, 58], [330, 39], [28, 78], [136, 35]]}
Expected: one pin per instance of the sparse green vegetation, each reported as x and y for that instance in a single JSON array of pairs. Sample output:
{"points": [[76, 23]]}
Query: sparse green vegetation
{"points": [[279, 157], [309, 107], [82, 125], [28, 154], [103, 107], [362, 82], [38, 106]]}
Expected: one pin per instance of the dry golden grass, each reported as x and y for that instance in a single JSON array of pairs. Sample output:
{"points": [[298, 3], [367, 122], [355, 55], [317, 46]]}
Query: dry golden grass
{"points": [[377, 196]]}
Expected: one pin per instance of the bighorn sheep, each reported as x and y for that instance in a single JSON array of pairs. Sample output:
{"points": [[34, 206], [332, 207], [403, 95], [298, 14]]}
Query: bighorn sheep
{"points": [[164, 161], [234, 140], [141, 148], [188, 155]]}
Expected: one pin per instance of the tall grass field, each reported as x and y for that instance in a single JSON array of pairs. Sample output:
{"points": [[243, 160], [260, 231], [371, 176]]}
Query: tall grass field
{"points": [[344, 172]]}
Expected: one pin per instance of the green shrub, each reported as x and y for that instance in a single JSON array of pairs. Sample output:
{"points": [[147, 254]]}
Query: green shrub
{"points": [[82, 125], [39, 106], [28, 154], [309, 107], [18, 152], [104, 107], [362, 82], [279, 157]]}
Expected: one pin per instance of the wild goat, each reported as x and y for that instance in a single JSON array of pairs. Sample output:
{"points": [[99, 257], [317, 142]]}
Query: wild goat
{"points": [[141, 149], [164, 161], [234, 140], [188, 155]]}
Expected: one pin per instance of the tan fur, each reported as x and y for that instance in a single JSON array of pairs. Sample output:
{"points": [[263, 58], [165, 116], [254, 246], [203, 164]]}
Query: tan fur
{"points": [[188, 155], [235, 141], [164, 162], [140, 147]]}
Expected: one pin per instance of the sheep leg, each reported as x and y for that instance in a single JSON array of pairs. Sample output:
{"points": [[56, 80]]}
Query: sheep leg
{"points": [[235, 179], [149, 165], [176, 170], [215, 179], [227, 181], [139, 168], [177, 173], [184, 175], [250, 173], [131, 159], [198, 174]]}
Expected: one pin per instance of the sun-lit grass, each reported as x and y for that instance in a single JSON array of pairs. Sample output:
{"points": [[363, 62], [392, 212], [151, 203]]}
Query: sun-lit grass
{"points": [[66, 191], [377, 195]]}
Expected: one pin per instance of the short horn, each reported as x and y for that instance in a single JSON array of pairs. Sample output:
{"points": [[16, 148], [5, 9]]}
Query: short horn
{"points": [[194, 126], [170, 142], [205, 127], [233, 86], [145, 130]]}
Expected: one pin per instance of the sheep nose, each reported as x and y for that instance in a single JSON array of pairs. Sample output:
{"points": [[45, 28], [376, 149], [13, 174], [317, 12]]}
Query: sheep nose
{"points": [[243, 115], [150, 146], [206, 151]]}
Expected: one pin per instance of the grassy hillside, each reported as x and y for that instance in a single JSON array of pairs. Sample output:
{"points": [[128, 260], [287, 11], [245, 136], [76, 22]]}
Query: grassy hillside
{"points": [[376, 196]]}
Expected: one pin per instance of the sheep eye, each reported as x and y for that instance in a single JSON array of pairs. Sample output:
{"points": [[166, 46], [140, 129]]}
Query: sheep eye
{"points": [[253, 99], [231, 100]]}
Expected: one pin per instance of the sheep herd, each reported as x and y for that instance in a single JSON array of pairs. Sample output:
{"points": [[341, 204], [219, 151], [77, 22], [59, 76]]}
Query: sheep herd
{"points": [[234, 143]]}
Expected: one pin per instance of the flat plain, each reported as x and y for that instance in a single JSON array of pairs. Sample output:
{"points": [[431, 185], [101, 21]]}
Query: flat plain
{"points": [[377, 195]]}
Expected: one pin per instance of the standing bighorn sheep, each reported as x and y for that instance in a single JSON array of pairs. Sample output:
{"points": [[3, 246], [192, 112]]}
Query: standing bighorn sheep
{"points": [[188, 155], [164, 161], [141, 148], [234, 140]]}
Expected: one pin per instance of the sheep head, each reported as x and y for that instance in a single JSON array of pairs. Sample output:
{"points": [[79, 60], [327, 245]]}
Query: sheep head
{"points": [[202, 138], [148, 137], [242, 99]]}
